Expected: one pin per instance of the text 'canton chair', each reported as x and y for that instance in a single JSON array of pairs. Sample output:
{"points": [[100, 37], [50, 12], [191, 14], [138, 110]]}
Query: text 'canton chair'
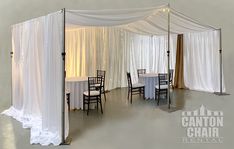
{"points": [[141, 71], [92, 95], [133, 89], [162, 86], [102, 73]]}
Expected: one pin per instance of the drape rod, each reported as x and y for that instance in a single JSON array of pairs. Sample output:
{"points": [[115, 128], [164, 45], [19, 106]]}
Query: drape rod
{"points": [[191, 19], [11, 53], [221, 67], [63, 79], [168, 59], [65, 141]]}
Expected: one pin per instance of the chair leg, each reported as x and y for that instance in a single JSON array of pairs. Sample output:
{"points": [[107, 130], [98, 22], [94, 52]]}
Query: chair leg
{"points": [[131, 97], [128, 93], [104, 95], [101, 104], [97, 103], [144, 93], [158, 97], [169, 98], [88, 105], [83, 103], [155, 94], [68, 102]]}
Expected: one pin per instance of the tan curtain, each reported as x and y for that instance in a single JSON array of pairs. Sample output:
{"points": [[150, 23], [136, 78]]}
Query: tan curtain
{"points": [[179, 67]]}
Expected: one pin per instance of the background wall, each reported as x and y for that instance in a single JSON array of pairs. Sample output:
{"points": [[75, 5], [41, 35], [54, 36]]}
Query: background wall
{"points": [[216, 13]]}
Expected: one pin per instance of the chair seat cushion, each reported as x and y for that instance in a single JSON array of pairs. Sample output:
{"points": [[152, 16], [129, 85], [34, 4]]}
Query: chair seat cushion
{"points": [[67, 91], [92, 93], [161, 86], [138, 85], [97, 85]]}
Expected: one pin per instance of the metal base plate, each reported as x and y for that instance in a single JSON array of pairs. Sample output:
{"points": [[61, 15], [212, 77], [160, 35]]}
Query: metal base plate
{"points": [[67, 141], [221, 94], [169, 110]]}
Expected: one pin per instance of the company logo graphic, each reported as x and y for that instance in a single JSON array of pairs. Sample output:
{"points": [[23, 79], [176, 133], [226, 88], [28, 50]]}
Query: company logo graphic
{"points": [[202, 126]]}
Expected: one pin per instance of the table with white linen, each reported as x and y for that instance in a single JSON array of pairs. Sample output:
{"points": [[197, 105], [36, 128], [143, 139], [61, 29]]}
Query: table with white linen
{"points": [[76, 86], [150, 80]]}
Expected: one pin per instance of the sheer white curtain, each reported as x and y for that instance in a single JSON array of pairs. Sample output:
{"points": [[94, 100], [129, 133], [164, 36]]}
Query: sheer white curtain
{"points": [[89, 49], [150, 52], [116, 51], [201, 61], [37, 77]]}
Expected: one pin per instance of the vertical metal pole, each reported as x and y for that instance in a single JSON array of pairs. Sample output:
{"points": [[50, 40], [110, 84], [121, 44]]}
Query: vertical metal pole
{"points": [[220, 61], [168, 58], [63, 77], [65, 141], [11, 53]]}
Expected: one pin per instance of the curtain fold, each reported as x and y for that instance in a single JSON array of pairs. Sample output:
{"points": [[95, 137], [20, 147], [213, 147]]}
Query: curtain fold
{"points": [[179, 66], [116, 51], [37, 78], [201, 61]]}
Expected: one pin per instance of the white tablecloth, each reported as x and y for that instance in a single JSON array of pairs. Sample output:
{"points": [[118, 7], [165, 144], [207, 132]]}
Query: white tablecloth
{"points": [[76, 86], [150, 80]]}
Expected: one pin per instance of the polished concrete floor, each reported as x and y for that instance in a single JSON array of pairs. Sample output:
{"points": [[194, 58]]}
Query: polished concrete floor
{"points": [[141, 125]]}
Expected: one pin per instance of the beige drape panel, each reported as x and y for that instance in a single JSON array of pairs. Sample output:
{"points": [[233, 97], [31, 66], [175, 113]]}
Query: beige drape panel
{"points": [[179, 67]]}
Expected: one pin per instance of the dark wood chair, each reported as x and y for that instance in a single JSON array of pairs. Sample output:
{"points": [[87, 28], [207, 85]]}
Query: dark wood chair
{"points": [[140, 71], [68, 100], [102, 73], [162, 86], [92, 95], [133, 89]]}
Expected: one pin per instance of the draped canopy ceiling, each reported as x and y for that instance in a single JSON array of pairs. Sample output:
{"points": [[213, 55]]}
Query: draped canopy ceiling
{"points": [[146, 21]]}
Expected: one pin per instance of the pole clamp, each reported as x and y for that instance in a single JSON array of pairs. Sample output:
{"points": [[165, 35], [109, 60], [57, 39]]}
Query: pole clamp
{"points": [[11, 53], [63, 55], [168, 52], [220, 51]]}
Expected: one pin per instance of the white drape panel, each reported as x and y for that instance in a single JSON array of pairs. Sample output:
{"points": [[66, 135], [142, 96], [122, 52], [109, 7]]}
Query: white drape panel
{"points": [[53, 92], [37, 77], [150, 52], [201, 61], [116, 51]]}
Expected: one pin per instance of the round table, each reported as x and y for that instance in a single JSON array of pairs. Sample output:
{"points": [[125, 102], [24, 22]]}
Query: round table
{"points": [[76, 86], [150, 80]]}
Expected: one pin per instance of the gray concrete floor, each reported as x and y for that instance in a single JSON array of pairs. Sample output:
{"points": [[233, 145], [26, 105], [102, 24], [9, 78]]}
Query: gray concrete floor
{"points": [[142, 125]]}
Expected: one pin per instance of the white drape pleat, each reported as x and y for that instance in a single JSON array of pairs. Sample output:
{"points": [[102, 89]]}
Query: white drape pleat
{"points": [[37, 77], [116, 51], [201, 61]]}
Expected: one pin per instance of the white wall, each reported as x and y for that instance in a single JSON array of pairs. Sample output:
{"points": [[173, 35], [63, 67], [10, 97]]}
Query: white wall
{"points": [[213, 12]]}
